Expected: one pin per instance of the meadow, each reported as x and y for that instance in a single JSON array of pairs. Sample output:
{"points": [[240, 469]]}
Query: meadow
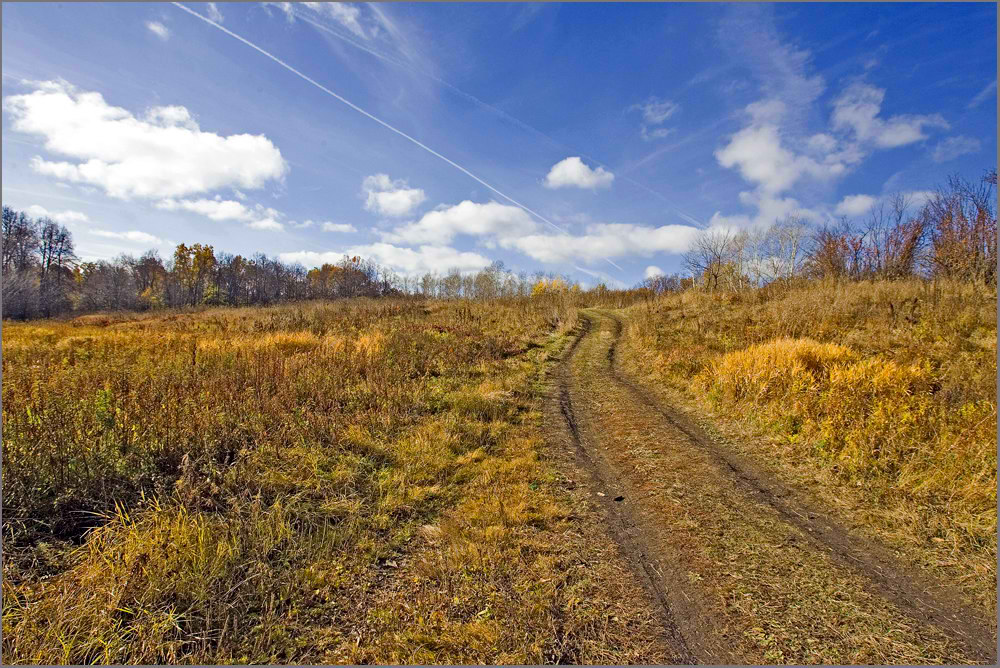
{"points": [[368, 481], [350, 481], [877, 397]]}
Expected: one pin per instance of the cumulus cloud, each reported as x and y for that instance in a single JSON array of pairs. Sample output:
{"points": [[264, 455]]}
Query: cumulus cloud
{"points": [[652, 271], [758, 152], [572, 172], [343, 228], [768, 209], [775, 160], [135, 236], [509, 227], [468, 218], [775, 150], [404, 261], [269, 224], [163, 154], [257, 217], [67, 217], [386, 197], [854, 205], [858, 107], [953, 147], [859, 205], [602, 241], [158, 29], [214, 13]]}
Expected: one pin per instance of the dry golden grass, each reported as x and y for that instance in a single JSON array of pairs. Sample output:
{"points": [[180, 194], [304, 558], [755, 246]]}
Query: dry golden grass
{"points": [[880, 398], [349, 481]]}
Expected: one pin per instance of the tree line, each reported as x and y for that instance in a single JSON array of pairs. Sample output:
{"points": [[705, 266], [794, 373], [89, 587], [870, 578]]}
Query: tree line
{"points": [[953, 235], [43, 277]]}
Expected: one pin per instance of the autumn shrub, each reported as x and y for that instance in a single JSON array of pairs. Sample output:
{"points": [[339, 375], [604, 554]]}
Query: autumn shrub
{"points": [[886, 388], [780, 370], [329, 482]]}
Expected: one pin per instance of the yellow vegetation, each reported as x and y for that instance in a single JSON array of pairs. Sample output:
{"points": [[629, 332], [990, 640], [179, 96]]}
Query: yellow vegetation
{"points": [[355, 481], [887, 389]]}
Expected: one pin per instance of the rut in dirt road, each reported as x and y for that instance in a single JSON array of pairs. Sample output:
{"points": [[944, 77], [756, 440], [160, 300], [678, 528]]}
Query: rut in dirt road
{"points": [[744, 571]]}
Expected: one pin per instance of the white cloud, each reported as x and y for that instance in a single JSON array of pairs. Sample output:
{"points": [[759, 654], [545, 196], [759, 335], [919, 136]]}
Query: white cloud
{"points": [[983, 95], [386, 197], [286, 7], [769, 208], [759, 154], [658, 133], [822, 143], [269, 224], [170, 116], [158, 29], [780, 68], [164, 154], [67, 217], [134, 236], [602, 241], [655, 110], [776, 149], [854, 205], [344, 228], [653, 271], [859, 205], [469, 218], [917, 198], [572, 172], [858, 107], [953, 147], [214, 13], [343, 13], [404, 261], [767, 111], [346, 14], [216, 209], [257, 217]]}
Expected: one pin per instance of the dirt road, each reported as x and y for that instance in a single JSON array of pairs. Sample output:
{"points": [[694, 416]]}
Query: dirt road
{"points": [[742, 570]]}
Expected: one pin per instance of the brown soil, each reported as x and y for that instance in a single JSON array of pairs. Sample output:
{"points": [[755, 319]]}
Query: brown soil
{"points": [[743, 568]]}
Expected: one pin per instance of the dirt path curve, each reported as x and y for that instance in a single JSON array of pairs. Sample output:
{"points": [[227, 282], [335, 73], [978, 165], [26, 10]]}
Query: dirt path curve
{"points": [[742, 569]]}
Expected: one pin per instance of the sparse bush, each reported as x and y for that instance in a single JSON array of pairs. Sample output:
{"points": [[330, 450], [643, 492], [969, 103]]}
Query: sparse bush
{"points": [[268, 485], [887, 386]]}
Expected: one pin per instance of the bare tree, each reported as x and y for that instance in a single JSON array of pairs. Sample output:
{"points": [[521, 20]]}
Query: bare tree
{"points": [[962, 224], [708, 255]]}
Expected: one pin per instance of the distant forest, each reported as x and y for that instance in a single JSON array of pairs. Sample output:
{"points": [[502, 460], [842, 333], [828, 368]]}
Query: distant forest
{"points": [[953, 236]]}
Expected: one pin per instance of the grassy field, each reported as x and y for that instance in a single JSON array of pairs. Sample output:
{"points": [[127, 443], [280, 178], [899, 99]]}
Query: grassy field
{"points": [[878, 398], [367, 480], [357, 481]]}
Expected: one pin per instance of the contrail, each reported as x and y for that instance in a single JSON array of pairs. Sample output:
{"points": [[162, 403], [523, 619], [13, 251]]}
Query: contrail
{"points": [[376, 119], [371, 116], [500, 112]]}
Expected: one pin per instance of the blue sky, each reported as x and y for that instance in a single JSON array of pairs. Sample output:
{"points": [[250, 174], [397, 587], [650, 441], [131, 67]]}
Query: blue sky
{"points": [[592, 140]]}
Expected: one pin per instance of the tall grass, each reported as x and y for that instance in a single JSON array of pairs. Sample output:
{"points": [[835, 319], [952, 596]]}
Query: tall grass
{"points": [[887, 387], [320, 482]]}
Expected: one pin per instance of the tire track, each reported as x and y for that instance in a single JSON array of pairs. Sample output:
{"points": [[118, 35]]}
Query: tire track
{"points": [[623, 528], [924, 601]]}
